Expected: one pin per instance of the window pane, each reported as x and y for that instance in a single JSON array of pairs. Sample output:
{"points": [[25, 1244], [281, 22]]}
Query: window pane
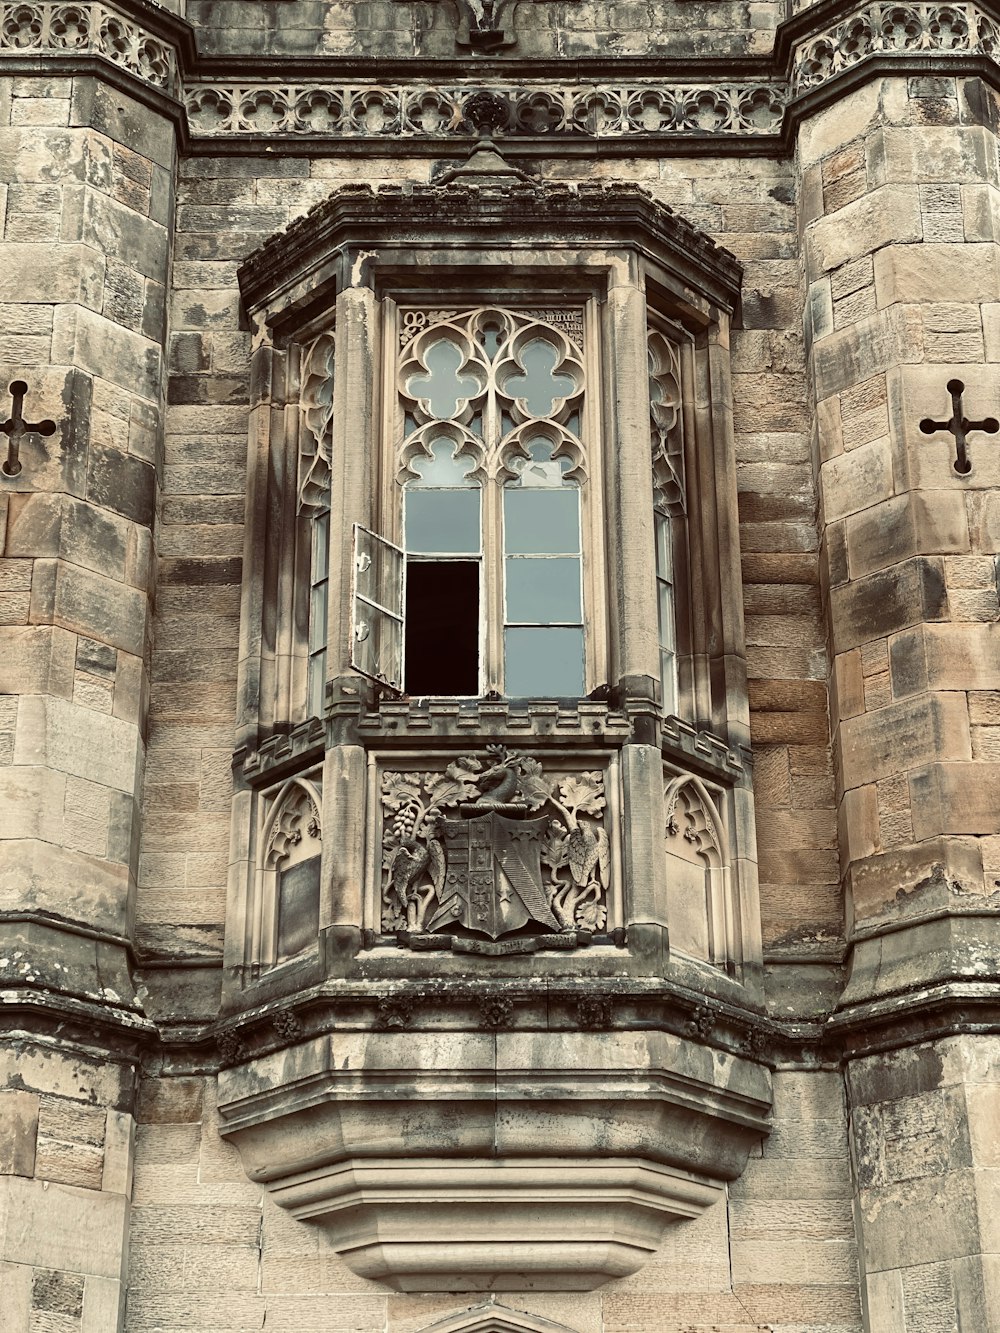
{"points": [[543, 662], [536, 522], [664, 554], [665, 595], [321, 547], [378, 644], [443, 468], [378, 570], [668, 681], [539, 388], [317, 684], [442, 627], [442, 522], [444, 386], [317, 617], [543, 590]]}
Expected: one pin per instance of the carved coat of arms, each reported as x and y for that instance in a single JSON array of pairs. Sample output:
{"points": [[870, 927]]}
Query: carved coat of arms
{"points": [[494, 850]]}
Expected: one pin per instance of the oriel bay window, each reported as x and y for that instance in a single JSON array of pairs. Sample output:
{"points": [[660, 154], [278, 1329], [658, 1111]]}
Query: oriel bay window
{"points": [[478, 582]]}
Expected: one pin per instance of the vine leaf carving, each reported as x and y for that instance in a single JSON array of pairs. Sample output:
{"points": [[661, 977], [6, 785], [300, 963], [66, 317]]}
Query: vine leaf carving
{"points": [[573, 848]]}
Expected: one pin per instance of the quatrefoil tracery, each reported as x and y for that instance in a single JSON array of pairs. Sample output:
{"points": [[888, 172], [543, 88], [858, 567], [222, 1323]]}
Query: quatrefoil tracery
{"points": [[495, 383]]}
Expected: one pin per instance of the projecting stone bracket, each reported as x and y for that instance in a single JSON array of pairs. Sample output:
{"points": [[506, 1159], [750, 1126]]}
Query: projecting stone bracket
{"points": [[474, 1161]]}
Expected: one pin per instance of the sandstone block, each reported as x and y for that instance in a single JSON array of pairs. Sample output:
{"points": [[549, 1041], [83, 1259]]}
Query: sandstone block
{"points": [[947, 154], [920, 522], [42, 272], [61, 525], [887, 217], [59, 734], [981, 212], [920, 273], [856, 480], [83, 338], [859, 823], [36, 659], [883, 603], [18, 1131], [872, 346], [86, 603], [123, 119], [904, 736], [63, 1227], [828, 131], [958, 798], [911, 880]]}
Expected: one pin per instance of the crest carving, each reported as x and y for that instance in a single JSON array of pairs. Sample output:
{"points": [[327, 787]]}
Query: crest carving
{"points": [[493, 855]]}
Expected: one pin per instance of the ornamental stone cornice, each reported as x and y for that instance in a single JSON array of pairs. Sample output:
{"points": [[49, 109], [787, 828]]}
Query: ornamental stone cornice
{"points": [[355, 218], [746, 104]]}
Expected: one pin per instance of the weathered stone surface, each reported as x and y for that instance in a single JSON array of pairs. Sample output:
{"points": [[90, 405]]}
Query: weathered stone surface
{"points": [[864, 616]]}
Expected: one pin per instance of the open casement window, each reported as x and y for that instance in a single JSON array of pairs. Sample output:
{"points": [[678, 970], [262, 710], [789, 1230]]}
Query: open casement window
{"points": [[486, 490], [379, 589]]}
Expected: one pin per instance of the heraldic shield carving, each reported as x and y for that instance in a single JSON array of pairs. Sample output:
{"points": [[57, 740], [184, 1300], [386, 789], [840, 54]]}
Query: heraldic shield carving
{"points": [[493, 875], [494, 856]]}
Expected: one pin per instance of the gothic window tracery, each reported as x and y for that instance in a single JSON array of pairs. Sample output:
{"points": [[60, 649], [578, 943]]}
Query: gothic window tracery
{"points": [[667, 453], [289, 871], [489, 483]]}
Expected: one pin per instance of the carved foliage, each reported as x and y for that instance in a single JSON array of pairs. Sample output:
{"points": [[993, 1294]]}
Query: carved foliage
{"points": [[317, 371], [666, 423], [574, 851], [472, 367]]}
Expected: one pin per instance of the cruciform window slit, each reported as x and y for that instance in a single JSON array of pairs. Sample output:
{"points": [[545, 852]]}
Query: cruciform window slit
{"points": [[16, 428], [959, 426]]}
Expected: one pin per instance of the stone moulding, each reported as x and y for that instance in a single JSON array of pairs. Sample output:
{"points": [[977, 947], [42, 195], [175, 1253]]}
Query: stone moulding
{"points": [[493, 1161], [813, 52], [493, 1318], [593, 111]]}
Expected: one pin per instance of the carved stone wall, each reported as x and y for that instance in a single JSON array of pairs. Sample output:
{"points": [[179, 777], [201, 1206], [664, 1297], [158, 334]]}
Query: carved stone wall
{"points": [[845, 154]]}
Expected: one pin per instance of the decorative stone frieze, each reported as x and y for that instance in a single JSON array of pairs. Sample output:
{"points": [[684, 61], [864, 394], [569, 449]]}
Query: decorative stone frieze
{"points": [[807, 56], [90, 29], [586, 110], [892, 29]]}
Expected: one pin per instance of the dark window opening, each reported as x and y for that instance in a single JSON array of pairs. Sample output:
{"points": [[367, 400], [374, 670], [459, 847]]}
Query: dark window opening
{"points": [[442, 627]]}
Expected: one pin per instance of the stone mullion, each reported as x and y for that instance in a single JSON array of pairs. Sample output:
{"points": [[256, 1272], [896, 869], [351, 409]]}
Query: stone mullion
{"points": [[635, 651], [353, 485]]}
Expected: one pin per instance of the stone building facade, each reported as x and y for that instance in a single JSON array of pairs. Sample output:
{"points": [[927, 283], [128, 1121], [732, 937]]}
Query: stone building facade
{"points": [[499, 666]]}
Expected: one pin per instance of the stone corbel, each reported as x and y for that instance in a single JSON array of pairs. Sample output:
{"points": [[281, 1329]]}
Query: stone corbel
{"points": [[510, 1159]]}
